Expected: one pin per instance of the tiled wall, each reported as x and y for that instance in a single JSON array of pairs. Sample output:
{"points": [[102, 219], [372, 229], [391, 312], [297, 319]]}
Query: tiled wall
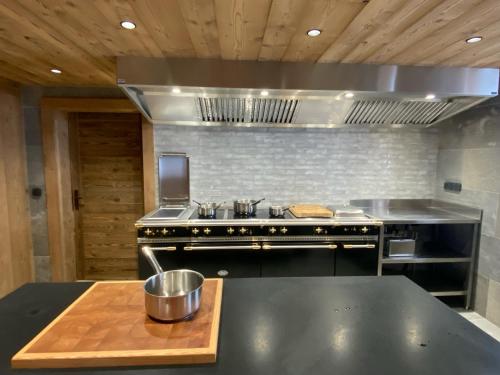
{"points": [[304, 165], [469, 152], [36, 180]]}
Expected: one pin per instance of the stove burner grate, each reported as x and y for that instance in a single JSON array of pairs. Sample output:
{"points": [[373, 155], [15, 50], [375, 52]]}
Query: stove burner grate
{"points": [[276, 216], [213, 217], [243, 216]]}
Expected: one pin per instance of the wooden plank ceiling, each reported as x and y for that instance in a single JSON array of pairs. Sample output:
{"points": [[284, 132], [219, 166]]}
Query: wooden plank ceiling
{"points": [[82, 38]]}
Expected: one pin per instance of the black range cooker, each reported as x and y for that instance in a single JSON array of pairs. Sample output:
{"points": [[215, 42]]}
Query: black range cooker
{"points": [[229, 245]]}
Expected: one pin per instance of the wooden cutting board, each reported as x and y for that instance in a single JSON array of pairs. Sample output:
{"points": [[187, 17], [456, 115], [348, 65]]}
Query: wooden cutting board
{"points": [[310, 210], [108, 326]]}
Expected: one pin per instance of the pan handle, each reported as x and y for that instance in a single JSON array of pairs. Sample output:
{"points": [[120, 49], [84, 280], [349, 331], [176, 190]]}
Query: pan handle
{"points": [[150, 256], [220, 204], [260, 200], [198, 203]]}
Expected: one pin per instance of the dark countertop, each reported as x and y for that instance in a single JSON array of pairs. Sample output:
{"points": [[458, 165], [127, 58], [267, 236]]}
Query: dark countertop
{"points": [[343, 325]]}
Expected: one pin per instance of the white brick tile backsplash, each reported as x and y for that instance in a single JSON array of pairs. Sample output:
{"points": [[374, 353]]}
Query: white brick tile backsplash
{"points": [[304, 165]]}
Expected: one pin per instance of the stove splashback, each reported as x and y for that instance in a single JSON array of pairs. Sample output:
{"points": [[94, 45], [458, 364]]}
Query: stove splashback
{"points": [[275, 94], [173, 175]]}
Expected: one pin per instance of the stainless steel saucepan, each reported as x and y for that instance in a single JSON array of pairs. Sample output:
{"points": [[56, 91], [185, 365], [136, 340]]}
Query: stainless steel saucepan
{"points": [[246, 207], [171, 295], [277, 211], [208, 209]]}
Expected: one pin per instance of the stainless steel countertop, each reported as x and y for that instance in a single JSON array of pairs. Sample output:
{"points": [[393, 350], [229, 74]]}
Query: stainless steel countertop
{"points": [[419, 211], [377, 211]]}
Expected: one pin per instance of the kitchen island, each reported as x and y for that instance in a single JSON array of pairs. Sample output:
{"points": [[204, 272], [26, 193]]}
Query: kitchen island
{"points": [[318, 325]]}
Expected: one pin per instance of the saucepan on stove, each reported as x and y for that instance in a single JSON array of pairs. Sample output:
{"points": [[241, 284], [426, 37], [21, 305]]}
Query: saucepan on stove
{"points": [[208, 209], [277, 211], [246, 207], [171, 295]]}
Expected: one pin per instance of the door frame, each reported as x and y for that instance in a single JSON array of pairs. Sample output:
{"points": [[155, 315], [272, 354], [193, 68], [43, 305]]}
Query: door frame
{"points": [[55, 125]]}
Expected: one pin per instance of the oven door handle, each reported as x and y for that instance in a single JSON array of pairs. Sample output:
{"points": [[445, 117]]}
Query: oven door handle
{"points": [[359, 246], [163, 248], [223, 247], [291, 247]]}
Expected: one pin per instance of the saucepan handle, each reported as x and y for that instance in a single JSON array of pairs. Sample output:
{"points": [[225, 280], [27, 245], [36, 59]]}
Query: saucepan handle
{"points": [[150, 256], [220, 204], [257, 202]]}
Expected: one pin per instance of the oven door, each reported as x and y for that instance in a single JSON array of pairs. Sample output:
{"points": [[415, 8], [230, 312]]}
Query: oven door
{"points": [[239, 259], [356, 259], [297, 259]]}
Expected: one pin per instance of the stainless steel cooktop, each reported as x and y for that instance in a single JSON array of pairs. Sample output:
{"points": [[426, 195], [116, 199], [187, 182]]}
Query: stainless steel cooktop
{"points": [[226, 216]]}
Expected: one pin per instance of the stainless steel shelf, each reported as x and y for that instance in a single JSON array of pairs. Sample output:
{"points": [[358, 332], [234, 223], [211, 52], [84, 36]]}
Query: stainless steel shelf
{"points": [[425, 259], [446, 293]]}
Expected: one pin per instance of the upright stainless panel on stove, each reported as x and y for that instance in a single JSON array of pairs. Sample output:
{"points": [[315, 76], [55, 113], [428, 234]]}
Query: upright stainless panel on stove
{"points": [[173, 171]]}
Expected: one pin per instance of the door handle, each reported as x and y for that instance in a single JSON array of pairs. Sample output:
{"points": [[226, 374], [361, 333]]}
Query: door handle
{"points": [[359, 246], [222, 247], [291, 247]]}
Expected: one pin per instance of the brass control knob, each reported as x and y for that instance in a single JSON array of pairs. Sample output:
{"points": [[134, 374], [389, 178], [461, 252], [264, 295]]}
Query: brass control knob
{"points": [[207, 231], [230, 230], [364, 229], [283, 230], [164, 231], [243, 230], [318, 230], [148, 232], [195, 231], [272, 230]]}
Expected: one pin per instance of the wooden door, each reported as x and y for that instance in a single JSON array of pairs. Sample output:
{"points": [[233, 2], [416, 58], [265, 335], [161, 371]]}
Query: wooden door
{"points": [[109, 187]]}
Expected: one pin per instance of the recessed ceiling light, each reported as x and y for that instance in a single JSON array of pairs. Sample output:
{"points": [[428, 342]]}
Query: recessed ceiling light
{"points": [[264, 93], [129, 25], [313, 32], [348, 94], [176, 90], [473, 39], [430, 96], [56, 71]]}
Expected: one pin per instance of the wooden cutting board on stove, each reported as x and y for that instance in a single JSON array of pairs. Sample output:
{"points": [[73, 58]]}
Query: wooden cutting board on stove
{"points": [[310, 210], [108, 326]]}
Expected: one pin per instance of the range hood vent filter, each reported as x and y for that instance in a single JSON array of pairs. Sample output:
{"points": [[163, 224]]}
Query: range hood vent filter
{"points": [[392, 112], [249, 110]]}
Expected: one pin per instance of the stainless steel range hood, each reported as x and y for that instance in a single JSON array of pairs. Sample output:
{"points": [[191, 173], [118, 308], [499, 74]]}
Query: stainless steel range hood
{"points": [[246, 93]]}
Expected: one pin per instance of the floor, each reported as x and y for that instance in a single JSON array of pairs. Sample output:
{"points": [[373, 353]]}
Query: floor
{"points": [[483, 323]]}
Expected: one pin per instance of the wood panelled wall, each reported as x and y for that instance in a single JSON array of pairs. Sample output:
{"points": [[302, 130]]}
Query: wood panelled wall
{"points": [[16, 254]]}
